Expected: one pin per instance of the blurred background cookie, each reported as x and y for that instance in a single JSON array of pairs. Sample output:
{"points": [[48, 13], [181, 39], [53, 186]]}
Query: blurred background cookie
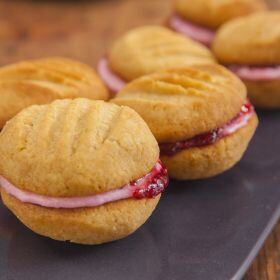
{"points": [[80, 170], [148, 49], [200, 18], [250, 47], [199, 115], [44, 80]]}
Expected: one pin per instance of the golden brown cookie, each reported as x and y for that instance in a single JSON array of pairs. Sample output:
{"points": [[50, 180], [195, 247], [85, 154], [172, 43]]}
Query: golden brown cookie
{"points": [[250, 46], [64, 166], [42, 81], [251, 40], [213, 13], [95, 225], [185, 102], [148, 49], [194, 111]]}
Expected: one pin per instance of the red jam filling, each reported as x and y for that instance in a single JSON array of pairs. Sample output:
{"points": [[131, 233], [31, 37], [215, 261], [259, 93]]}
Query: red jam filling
{"points": [[152, 184], [208, 138]]}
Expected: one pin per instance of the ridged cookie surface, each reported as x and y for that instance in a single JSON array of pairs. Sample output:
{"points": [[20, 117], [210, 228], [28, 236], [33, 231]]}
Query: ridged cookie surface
{"points": [[213, 13], [42, 81], [75, 148], [148, 49], [179, 104], [253, 40]]}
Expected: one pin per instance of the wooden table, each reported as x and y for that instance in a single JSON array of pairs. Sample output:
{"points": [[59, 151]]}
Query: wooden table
{"points": [[84, 30]]}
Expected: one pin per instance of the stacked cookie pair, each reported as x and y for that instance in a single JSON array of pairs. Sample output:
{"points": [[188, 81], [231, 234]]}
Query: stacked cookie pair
{"points": [[200, 116], [76, 169], [200, 19], [250, 47]]}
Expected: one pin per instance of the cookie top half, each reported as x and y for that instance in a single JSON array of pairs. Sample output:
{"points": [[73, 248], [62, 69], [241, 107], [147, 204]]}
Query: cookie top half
{"points": [[148, 49], [253, 40], [44, 80], [182, 103], [213, 13], [76, 148]]}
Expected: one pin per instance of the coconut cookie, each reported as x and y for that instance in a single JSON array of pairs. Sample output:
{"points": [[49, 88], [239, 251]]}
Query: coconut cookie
{"points": [[148, 49], [42, 81], [200, 116], [81, 171], [199, 19], [250, 47]]}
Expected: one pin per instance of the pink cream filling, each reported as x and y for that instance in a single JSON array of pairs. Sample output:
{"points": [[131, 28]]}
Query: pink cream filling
{"points": [[211, 137], [199, 33], [148, 186], [254, 73], [112, 80]]}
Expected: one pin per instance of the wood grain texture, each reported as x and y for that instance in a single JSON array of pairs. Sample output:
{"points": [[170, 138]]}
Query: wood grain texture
{"points": [[84, 30], [267, 264]]}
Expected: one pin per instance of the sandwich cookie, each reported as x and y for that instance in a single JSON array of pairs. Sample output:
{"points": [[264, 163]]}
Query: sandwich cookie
{"points": [[42, 81], [80, 170], [200, 116], [250, 47], [146, 50], [199, 19]]}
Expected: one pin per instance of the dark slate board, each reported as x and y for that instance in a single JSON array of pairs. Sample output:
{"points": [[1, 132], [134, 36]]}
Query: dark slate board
{"points": [[210, 229]]}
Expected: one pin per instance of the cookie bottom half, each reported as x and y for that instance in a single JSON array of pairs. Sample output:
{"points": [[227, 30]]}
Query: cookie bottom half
{"points": [[90, 226], [211, 160]]}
